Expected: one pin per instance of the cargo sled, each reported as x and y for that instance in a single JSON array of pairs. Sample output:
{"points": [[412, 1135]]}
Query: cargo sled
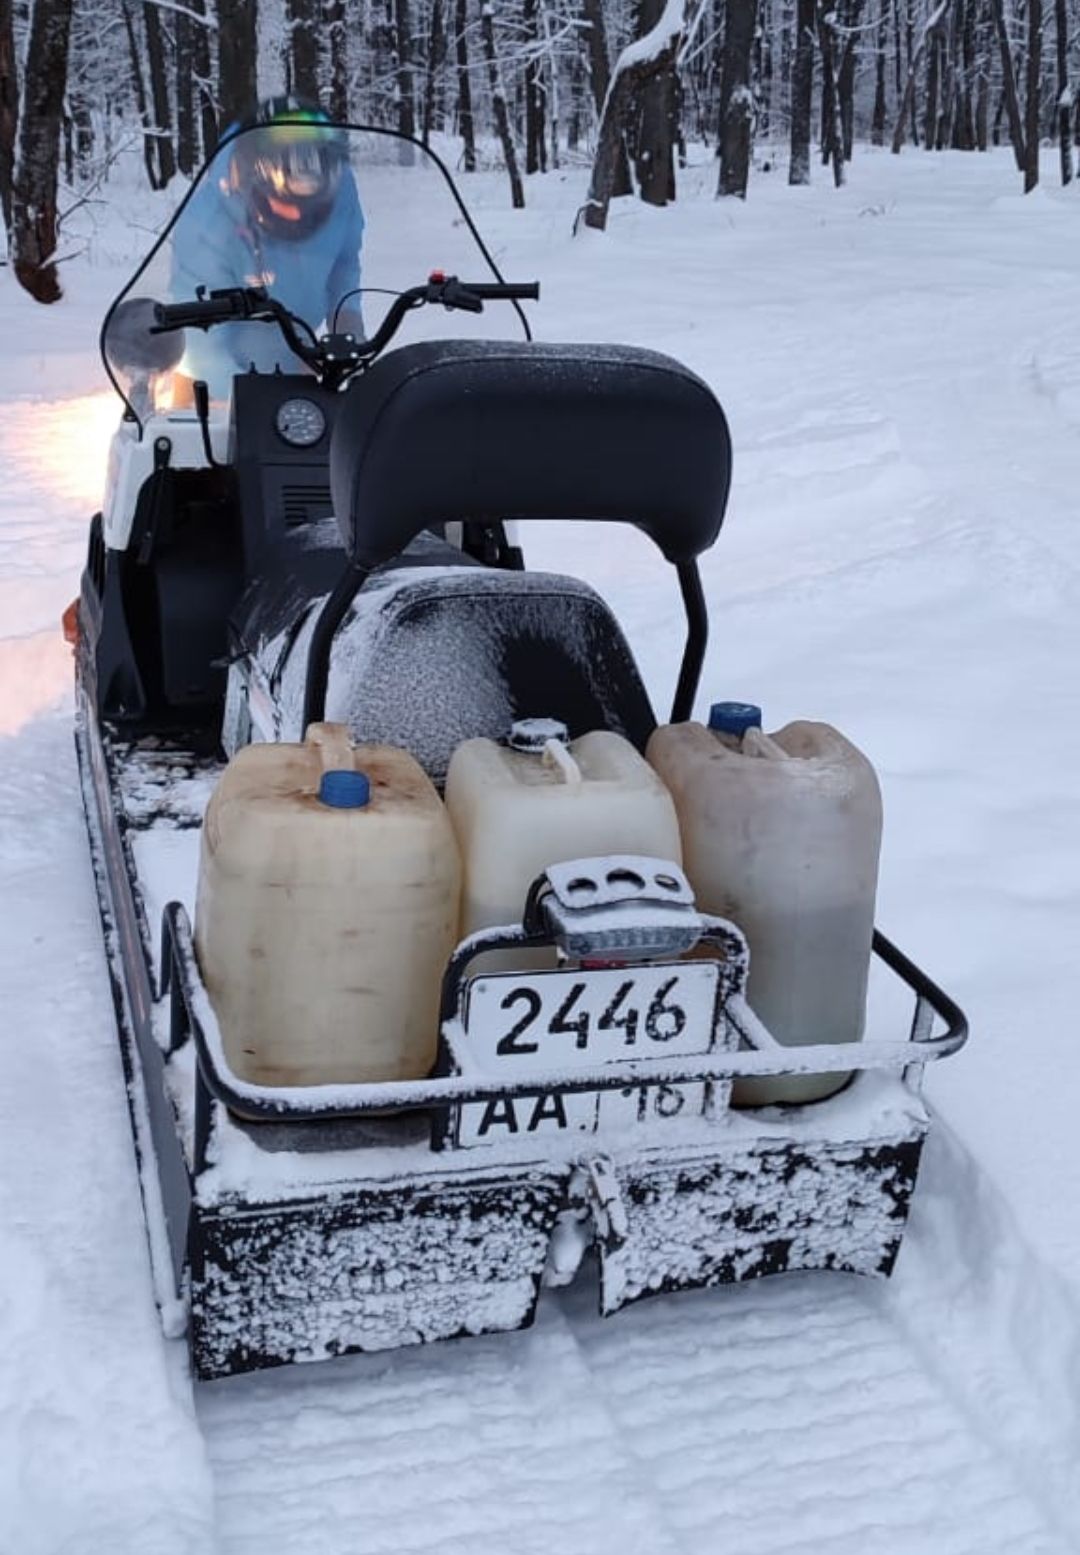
{"points": [[328, 540]]}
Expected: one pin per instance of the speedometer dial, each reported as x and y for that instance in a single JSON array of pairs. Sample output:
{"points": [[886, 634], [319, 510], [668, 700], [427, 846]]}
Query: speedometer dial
{"points": [[300, 423]]}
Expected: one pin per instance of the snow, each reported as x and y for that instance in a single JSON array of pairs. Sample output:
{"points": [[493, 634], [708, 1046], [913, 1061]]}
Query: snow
{"points": [[901, 559]]}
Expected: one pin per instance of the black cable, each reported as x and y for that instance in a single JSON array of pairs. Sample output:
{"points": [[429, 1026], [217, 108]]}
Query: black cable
{"points": [[360, 291]]}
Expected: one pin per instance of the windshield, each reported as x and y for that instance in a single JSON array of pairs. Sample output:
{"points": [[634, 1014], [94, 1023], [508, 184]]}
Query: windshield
{"points": [[332, 220]]}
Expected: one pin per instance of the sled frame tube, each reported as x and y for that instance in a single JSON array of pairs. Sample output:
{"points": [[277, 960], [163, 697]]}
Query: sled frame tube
{"points": [[181, 980]]}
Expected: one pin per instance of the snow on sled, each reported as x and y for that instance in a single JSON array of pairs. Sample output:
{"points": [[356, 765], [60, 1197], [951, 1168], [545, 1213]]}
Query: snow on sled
{"points": [[306, 569]]}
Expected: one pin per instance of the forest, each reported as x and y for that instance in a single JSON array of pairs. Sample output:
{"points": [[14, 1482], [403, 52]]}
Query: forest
{"points": [[618, 88]]}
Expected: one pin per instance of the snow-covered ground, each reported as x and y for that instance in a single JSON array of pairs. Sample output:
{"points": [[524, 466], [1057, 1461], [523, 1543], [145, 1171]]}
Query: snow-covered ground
{"points": [[900, 363]]}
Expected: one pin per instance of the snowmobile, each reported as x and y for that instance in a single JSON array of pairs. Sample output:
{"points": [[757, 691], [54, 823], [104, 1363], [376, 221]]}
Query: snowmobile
{"points": [[320, 541]]}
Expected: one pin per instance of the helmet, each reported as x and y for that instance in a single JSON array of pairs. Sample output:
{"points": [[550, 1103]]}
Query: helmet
{"points": [[287, 166]]}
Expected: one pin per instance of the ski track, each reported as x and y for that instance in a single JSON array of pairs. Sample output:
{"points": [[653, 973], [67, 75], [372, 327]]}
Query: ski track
{"points": [[873, 516]]}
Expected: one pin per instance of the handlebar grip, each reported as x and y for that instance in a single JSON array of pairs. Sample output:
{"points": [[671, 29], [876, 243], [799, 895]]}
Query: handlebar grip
{"points": [[511, 291], [179, 315]]}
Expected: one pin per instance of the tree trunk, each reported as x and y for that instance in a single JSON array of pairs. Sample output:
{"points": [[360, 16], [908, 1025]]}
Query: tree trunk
{"points": [[33, 195], [846, 98], [498, 106], [964, 129], [763, 71], [535, 146], [159, 96], [237, 41], [435, 54], [302, 48], [1034, 71], [204, 81], [83, 126], [649, 56], [600, 81], [802, 93], [654, 150], [933, 84], [139, 86], [907, 105], [406, 103], [877, 122], [9, 107], [1064, 97], [736, 99], [187, 154], [982, 110], [832, 137], [555, 114], [1008, 86], [465, 108], [337, 100]]}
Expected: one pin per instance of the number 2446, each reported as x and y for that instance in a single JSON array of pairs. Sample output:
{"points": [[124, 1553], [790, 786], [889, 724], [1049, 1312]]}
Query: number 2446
{"points": [[662, 1021]]}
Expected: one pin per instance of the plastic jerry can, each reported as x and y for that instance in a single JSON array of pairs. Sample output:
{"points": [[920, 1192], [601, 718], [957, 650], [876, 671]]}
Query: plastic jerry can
{"points": [[781, 833], [542, 798], [327, 909]]}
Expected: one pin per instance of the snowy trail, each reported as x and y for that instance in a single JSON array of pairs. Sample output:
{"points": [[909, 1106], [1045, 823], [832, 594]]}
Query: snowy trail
{"points": [[902, 557], [792, 1417]]}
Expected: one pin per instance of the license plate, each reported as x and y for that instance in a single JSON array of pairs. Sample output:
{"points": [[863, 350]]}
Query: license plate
{"points": [[516, 1024]]}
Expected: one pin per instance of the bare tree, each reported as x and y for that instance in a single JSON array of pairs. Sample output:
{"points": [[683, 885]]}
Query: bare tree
{"points": [[654, 126], [204, 84], [302, 47], [237, 57], [535, 93], [1010, 95], [600, 80], [736, 99], [1034, 72], [1064, 91], [832, 124], [498, 105], [802, 92], [163, 151], [465, 107], [334, 29], [877, 125], [435, 54], [187, 150], [637, 63], [34, 186], [404, 87], [936, 22], [9, 106]]}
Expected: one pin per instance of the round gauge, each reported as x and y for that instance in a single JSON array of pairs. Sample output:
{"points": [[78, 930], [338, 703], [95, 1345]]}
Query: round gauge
{"points": [[299, 423]]}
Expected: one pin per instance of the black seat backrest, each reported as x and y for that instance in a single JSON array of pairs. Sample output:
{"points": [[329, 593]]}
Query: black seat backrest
{"points": [[486, 430]]}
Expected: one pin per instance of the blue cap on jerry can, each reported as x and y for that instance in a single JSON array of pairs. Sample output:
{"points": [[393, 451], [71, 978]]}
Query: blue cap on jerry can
{"points": [[734, 717], [345, 789]]}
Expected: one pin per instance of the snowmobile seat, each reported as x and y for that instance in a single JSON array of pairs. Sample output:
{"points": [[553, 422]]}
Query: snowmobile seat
{"points": [[480, 430], [429, 656]]}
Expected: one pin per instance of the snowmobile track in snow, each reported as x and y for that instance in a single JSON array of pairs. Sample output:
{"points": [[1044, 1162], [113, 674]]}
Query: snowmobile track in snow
{"points": [[783, 1419]]}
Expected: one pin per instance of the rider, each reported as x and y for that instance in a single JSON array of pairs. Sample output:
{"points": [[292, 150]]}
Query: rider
{"points": [[279, 209]]}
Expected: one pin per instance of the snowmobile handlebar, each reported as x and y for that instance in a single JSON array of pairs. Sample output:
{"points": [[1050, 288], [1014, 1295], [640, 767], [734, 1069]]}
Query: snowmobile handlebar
{"points": [[220, 307], [334, 358]]}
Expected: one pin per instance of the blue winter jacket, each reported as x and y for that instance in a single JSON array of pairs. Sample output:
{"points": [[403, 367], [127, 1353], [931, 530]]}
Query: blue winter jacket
{"points": [[217, 244]]}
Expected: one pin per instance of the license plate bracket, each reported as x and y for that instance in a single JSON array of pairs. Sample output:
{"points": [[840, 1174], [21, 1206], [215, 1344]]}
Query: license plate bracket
{"points": [[522, 1025]]}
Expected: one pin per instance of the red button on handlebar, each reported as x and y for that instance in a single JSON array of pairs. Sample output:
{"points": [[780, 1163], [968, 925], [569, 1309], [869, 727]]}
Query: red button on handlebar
{"points": [[437, 277]]}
